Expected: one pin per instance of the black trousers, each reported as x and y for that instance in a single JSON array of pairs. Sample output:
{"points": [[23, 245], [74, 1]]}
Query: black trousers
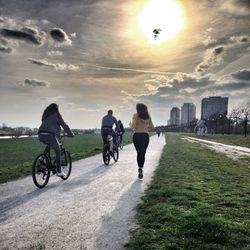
{"points": [[141, 141]]}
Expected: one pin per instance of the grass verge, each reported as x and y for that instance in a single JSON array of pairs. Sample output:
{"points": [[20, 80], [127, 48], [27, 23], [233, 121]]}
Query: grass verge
{"points": [[17, 155], [197, 200]]}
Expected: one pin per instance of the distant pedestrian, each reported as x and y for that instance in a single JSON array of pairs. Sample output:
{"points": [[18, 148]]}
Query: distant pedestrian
{"points": [[158, 132], [141, 124]]}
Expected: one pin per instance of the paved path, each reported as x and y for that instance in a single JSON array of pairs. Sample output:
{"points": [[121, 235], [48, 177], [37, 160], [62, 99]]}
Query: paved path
{"points": [[233, 152], [93, 209]]}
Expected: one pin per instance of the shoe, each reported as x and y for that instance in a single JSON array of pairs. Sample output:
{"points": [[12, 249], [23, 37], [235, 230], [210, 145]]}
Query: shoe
{"points": [[140, 175], [60, 174]]}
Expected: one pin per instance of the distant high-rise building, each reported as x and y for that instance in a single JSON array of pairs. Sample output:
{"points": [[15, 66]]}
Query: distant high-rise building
{"points": [[213, 106], [175, 116], [188, 113]]}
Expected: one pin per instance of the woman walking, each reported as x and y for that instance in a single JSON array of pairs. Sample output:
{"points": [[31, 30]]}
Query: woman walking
{"points": [[141, 123]]}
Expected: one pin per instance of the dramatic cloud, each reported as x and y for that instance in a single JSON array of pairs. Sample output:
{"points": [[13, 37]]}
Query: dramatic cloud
{"points": [[26, 34], [59, 36], [56, 66], [243, 75], [215, 56], [35, 83], [212, 57]]}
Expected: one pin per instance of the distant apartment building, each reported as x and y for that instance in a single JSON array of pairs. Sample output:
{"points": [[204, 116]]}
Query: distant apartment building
{"points": [[214, 106], [175, 116], [188, 113]]}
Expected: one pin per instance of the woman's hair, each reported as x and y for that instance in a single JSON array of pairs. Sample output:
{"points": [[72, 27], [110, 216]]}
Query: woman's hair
{"points": [[142, 111], [50, 110]]}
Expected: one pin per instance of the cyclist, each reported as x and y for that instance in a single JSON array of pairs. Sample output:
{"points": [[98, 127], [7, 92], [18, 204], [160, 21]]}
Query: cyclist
{"points": [[120, 130], [49, 132], [107, 127]]}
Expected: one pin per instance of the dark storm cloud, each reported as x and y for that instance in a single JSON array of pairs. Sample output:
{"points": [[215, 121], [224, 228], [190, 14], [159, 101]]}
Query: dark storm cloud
{"points": [[26, 34], [243, 75], [58, 35], [218, 50], [35, 83]]}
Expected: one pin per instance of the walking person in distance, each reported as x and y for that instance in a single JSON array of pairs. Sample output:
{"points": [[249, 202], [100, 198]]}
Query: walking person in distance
{"points": [[141, 124]]}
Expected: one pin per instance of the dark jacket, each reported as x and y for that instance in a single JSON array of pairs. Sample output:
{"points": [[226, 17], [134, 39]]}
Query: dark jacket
{"points": [[108, 121], [53, 123], [120, 128]]}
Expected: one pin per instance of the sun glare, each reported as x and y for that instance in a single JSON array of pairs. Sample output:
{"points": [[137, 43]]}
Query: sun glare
{"points": [[160, 20]]}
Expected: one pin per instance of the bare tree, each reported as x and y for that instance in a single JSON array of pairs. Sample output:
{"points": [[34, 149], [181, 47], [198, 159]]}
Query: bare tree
{"points": [[235, 116], [245, 111]]}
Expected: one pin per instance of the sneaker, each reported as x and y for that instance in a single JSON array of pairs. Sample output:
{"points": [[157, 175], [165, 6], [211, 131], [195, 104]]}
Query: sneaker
{"points": [[60, 174], [140, 175]]}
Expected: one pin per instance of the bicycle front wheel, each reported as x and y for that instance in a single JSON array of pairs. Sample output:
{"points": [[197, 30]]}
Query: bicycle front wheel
{"points": [[105, 155], [40, 171], [116, 153], [66, 164]]}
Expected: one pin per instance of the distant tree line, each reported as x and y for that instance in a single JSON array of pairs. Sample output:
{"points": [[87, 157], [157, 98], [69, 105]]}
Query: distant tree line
{"points": [[16, 132]]}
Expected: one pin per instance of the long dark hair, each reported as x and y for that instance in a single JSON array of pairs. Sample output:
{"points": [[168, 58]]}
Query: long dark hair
{"points": [[50, 110], [142, 111]]}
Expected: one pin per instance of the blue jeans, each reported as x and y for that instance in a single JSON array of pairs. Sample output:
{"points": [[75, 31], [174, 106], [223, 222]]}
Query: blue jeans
{"points": [[108, 131], [52, 142]]}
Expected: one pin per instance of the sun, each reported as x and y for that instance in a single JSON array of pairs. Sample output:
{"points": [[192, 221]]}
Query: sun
{"points": [[160, 20]]}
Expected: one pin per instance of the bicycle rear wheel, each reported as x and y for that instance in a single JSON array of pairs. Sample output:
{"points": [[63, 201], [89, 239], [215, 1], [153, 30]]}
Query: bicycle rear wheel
{"points": [[116, 153], [41, 171], [66, 164], [106, 155]]}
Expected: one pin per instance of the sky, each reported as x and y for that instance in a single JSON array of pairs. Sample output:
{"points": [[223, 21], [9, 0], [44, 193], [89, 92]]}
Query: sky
{"points": [[89, 56]]}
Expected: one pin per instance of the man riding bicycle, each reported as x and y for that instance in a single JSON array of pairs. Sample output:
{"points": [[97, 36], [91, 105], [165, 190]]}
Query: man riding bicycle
{"points": [[107, 127], [120, 130]]}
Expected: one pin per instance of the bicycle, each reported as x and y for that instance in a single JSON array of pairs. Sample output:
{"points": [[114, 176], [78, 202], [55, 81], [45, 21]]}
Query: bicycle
{"points": [[119, 140], [45, 164], [110, 150]]}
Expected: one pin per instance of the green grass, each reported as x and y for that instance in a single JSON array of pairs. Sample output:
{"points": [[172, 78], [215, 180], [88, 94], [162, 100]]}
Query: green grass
{"points": [[197, 200], [17, 155], [237, 140]]}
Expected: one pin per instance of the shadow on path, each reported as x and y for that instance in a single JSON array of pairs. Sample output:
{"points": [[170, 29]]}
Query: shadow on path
{"points": [[113, 233]]}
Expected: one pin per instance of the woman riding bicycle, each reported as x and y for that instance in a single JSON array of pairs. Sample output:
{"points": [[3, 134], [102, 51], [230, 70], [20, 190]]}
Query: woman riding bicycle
{"points": [[49, 133]]}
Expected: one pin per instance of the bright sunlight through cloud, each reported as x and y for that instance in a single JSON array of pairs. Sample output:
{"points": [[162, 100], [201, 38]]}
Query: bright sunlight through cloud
{"points": [[161, 20]]}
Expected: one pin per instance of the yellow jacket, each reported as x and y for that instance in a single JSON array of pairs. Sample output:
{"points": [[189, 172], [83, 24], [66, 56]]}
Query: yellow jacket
{"points": [[139, 125]]}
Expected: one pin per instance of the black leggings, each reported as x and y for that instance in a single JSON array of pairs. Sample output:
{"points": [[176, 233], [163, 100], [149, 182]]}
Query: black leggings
{"points": [[141, 141]]}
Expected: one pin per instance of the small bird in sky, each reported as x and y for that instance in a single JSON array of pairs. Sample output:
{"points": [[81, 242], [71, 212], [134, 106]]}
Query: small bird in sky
{"points": [[156, 33]]}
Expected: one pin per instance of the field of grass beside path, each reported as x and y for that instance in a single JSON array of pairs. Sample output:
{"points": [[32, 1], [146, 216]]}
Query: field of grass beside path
{"points": [[17, 155], [197, 200], [236, 140]]}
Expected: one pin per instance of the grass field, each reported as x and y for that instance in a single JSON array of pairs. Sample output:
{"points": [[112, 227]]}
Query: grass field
{"points": [[197, 200], [238, 140], [17, 155]]}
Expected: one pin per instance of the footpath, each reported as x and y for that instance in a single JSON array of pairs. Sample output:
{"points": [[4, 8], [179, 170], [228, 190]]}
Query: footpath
{"points": [[94, 209]]}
